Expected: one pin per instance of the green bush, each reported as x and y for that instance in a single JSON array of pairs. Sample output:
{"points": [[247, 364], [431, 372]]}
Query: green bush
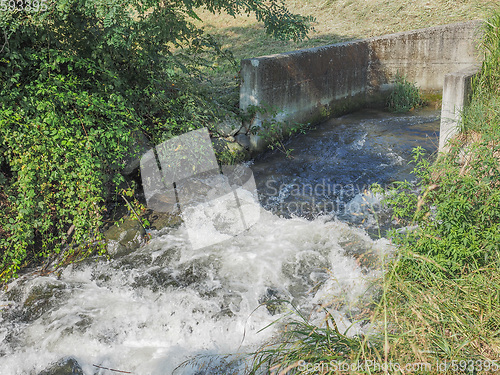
{"points": [[457, 214], [79, 80]]}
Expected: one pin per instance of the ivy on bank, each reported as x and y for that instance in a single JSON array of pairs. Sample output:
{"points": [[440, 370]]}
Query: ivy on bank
{"points": [[79, 81]]}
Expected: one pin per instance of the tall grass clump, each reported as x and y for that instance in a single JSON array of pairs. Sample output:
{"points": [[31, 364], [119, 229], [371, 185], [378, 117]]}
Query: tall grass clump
{"points": [[441, 320], [404, 97], [483, 114], [311, 348]]}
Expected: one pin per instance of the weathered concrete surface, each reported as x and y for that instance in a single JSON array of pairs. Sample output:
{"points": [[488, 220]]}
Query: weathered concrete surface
{"points": [[311, 85], [456, 94], [306, 85], [424, 56]]}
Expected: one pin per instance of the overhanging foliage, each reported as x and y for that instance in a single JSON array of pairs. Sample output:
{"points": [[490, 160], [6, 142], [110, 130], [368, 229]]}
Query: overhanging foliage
{"points": [[79, 80]]}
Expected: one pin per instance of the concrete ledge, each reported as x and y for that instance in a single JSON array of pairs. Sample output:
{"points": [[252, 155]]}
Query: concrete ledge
{"points": [[311, 85], [456, 95]]}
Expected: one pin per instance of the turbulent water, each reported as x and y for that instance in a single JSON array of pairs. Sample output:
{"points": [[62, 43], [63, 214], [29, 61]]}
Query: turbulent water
{"points": [[149, 311], [331, 169]]}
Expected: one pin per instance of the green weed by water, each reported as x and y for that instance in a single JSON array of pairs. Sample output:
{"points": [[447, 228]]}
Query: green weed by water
{"points": [[310, 348], [273, 132], [483, 113], [404, 97]]}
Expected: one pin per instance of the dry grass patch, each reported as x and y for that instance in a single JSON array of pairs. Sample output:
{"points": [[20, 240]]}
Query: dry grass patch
{"points": [[341, 20]]}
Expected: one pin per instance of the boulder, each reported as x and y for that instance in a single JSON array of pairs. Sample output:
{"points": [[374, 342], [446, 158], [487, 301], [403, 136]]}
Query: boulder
{"points": [[123, 238], [229, 152], [65, 366], [229, 127], [243, 140], [160, 220]]}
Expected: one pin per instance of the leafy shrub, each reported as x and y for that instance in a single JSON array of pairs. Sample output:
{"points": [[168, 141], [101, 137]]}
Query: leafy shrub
{"points": [[61, 140], [457, 214], [79, 81]]}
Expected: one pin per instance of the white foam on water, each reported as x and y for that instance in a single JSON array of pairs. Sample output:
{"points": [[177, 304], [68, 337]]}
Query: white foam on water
{"points": [[359, 143], [151, 310]]}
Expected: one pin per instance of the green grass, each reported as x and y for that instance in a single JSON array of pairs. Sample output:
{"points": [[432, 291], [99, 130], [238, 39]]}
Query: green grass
{"points": [[404, 97], [445, 319], [483, 114]]}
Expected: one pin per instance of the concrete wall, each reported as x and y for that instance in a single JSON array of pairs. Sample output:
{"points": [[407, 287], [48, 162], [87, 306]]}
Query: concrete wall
{"points": [[311, 85], [456, 93]]}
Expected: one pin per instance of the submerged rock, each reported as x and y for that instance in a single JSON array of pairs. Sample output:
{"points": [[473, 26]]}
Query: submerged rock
{"points": [[161, 220], [243, 140], [125, 237], [65, 366], [41, 299], [273, 301]]}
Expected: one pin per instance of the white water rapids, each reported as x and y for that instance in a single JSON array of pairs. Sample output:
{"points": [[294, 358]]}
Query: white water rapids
{"points": [[149, 311]]}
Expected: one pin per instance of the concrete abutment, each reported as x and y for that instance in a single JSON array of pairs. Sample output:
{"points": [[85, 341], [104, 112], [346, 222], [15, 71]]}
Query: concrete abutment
{"points": [[309, 86]]}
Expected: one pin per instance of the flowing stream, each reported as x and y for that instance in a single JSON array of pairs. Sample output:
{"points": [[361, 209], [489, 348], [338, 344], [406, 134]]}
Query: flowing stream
{"points": [[151, 310]]}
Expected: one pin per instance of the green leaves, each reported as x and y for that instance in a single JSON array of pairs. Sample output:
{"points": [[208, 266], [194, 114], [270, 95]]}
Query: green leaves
{"points": [[61, 148], [77, 83], [455, 217]]}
